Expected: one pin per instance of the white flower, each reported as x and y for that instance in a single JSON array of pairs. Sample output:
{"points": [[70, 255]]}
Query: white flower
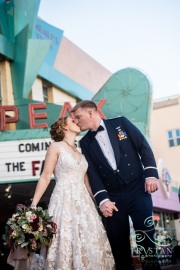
{"points": [[28, 215], [25, 226]]}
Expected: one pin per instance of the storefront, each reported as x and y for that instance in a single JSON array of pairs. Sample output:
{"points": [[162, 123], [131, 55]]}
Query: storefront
{"points": [[166, 218]]}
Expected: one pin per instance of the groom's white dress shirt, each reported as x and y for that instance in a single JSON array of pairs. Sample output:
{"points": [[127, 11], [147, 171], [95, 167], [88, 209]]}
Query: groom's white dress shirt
{"points": [[106, 147]]}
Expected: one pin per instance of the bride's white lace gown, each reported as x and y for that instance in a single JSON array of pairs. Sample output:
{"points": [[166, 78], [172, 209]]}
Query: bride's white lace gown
{"points": [[81, 242]]}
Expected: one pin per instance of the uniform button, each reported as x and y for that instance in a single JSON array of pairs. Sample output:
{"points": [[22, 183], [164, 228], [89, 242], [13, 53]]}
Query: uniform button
{"points": [[107, 184], [100, 167], [129, 164], [132, 173], [117, 170], [125, 155], [104, 175]]}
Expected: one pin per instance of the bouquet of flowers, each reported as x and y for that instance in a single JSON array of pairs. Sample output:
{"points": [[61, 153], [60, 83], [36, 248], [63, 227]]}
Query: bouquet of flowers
{"points": [[28, 228]]}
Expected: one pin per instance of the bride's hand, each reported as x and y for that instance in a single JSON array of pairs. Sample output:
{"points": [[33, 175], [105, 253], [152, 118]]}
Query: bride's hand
{"points": [[107, 208]]}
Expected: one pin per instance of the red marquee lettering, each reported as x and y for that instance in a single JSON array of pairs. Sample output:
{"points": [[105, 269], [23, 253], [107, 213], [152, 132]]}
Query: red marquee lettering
{"points": [[66, 108], [5, 119], [33, 116], [99, 105], [34, 168]]}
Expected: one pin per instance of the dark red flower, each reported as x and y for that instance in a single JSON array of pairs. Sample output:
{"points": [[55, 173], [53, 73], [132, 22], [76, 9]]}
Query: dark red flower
{"points": [[20, 207], [34, 224], [54, 226], [28, 236]]}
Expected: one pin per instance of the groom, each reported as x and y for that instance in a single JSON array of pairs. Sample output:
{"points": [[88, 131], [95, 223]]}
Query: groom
{"points": [[122, 173]]}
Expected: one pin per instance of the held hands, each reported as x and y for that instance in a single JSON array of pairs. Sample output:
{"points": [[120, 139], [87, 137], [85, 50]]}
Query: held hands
{"points": [[107, 208], [151, 185]]}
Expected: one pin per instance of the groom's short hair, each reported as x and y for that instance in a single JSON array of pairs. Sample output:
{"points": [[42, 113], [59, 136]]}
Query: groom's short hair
{"points": [[84, 104]]}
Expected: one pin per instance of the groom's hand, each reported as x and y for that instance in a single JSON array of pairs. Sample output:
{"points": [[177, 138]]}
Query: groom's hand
{"points": [[107, 208], [151, 185]]}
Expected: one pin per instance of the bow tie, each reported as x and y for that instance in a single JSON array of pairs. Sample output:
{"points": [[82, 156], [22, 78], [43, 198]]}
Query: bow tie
{"points": [[93, 133]]}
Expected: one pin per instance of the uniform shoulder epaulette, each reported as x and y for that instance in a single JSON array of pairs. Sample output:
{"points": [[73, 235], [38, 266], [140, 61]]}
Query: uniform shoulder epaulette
{"points": [[115, 117]]}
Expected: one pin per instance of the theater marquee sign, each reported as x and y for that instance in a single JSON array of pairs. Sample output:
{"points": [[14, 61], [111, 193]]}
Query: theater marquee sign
{"points": [[22, 160]]}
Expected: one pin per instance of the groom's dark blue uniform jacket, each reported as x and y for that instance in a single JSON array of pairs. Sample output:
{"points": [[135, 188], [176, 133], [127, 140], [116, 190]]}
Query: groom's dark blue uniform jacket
{"points": [[134, 158]]}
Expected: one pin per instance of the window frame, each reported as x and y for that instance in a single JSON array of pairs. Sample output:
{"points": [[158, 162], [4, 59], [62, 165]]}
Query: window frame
{"points": [[174, 137], [45, 88]]}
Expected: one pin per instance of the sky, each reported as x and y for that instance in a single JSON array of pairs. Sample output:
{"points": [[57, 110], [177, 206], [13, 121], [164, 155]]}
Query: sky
{"points": [[142, 34]]}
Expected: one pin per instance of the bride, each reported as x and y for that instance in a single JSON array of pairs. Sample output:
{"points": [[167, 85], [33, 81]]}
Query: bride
{"points": [[81, 242]]}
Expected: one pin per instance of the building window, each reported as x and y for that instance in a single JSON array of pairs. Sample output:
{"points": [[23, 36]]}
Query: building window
{"points": [[164, 223], [174, 137], [164, 236], [45, 93]]}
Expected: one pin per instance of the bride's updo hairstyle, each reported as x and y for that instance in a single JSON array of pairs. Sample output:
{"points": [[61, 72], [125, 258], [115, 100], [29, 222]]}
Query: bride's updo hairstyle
{"points": [[57, 130]]}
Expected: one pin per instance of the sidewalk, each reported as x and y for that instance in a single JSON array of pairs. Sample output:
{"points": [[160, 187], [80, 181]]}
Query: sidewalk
{"points": [[137, 265], [168, 267], [171, 267]]}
